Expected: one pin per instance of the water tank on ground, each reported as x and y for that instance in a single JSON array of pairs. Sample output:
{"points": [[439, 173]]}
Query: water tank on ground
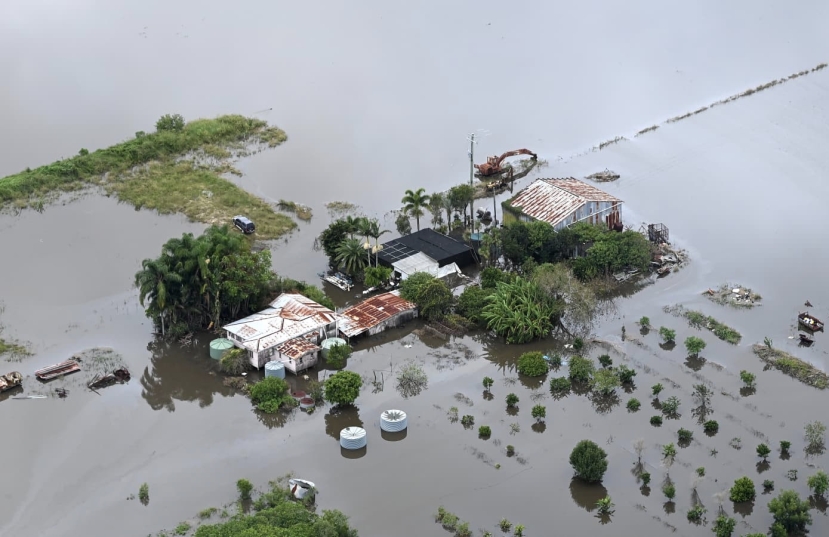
{"points": [[331, 342], [219, 347], [353, 438], [275, 369]]}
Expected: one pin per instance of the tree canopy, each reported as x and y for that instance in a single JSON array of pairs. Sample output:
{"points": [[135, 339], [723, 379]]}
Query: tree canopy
{"points": [[520, 311], [432, 296], [343, 388], [589, 461]]}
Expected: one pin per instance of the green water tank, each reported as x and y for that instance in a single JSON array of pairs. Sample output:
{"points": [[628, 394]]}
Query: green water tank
{"points": [[331, 342], [219, 347]]}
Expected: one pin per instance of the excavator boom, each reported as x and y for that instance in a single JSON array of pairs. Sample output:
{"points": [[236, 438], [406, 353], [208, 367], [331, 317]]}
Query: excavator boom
{"points": [[492, 165]]}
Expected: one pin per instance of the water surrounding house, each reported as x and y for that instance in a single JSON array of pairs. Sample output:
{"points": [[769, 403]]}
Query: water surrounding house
{"points": [[376, 314], [288, 331]]}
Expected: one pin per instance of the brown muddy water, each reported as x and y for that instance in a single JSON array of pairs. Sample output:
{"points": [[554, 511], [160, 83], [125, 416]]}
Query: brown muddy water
{"points": [[377, 99]]}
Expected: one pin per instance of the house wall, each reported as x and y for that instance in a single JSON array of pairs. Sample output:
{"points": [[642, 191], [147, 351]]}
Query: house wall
{"points": [[301, 364], [391, 322]]}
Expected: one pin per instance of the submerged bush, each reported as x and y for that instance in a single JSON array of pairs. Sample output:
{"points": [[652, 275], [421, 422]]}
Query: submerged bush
{"points": [[581, 369], [532, 364], [559, 384], [484, 431], [589, 461], [633, 404], [742, 490], [269, 394]]}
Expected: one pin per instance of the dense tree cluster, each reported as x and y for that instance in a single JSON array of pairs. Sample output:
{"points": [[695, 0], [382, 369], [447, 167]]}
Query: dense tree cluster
{"points": [[208, 280], [344, 243], [592, 250], [432, 296]]}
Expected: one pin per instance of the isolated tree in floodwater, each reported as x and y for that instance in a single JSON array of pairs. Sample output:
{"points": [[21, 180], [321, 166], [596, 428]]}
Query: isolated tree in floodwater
{"points": [[414, 202], [694, 345]]}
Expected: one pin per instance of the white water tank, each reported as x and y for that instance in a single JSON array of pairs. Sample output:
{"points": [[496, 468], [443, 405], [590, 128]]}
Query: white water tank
{"points": [[393, 421], [353, 438], [275, 369]]}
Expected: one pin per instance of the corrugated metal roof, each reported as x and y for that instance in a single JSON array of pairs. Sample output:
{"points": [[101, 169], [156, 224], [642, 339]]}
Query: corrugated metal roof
{"points": [[297, 347], [418, 262], [553, 200], [373, 311], [290, 315]]}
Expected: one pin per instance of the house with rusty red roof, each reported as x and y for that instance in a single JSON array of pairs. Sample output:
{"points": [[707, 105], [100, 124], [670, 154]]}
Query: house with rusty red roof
{"points": [[562, 203], [289, 331], [373, 315]]}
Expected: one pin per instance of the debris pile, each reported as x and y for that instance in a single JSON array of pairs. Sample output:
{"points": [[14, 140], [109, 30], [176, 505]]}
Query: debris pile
{"points": [[734, 295], [666, 260], [102, 381], [604, 177]]}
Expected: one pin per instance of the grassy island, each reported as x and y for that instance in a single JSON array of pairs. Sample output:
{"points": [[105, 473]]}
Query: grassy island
{"points": [[176, 169]]}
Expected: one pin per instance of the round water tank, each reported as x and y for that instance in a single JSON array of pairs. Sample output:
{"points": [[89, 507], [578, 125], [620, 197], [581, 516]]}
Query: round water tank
{"points": [[393, 421], [331, 342], [219, 347], [275, 369], [353, 438], [306, 403]]}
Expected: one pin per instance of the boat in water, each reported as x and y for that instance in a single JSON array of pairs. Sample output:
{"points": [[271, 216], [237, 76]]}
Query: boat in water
{"points": [[810, 322], [340, 280], [10, 381], [58, 370], [301, 488]]}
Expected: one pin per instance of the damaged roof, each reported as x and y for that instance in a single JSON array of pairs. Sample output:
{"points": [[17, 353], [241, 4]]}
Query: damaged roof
{"points": [[370, 313], [290, 315], [297, 347], [553, 200]]}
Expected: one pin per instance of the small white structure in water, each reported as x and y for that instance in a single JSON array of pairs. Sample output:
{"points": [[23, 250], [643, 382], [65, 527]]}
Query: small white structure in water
{"points": [[393, 421], [301, 488], [353, 438]]}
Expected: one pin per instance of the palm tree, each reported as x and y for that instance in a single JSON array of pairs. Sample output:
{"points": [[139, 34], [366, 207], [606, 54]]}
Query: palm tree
{"points": [[153, 281], [350, 256], [364, 228], [375, 233], [414, 202], [353, 223]]}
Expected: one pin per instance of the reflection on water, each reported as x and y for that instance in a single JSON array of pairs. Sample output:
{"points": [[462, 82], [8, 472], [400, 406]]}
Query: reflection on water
{"points": [[338, 419], [603, 404], [394, 437], [181, 373], [586, 494], [744, 509], [277, 419], [353, 453], [695, 363]]}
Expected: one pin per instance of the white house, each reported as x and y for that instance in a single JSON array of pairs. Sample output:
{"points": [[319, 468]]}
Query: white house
{"points": [[288, 331]]}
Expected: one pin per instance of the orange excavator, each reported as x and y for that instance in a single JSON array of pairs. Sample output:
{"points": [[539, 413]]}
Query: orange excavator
{"points": [[492, 166]]}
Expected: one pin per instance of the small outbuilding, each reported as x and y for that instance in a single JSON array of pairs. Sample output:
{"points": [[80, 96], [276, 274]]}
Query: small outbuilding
{"points": [[375, 314], [421, 262], [442, 249]]}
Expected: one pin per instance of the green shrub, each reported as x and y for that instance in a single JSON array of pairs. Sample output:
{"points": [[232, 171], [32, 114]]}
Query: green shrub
{"points": [[768, 485], [818, 483], [747, 378], [581, 369], [589, 461], [646, 478], [338, 354], [694, 345], [467, 421], [656, 420], [667, 334], [462, 530], [505, 525], [605, 360], [625, 374], [269, 394], [182, 528], [170, 122], [559, 384], [742, 490], [685, 435], [657, 389], [539, 412], [234, 362], [555, 360], [512, 400], [669, 490], [670, 406], [696, 513], [343, 388], [644, 322], [763, 451], [244, 487], [488, 382], [604, 381], [532, 364], [784, 446], [790, 513], [701, 471], [484, 431], [633, 404], [144, 493], [724, 526], [711, 426]]}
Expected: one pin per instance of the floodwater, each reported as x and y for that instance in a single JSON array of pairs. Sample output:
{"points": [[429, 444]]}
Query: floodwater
{"points": [[377, 99]]}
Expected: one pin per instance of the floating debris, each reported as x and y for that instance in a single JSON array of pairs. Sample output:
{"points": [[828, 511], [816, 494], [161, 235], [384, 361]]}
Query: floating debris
{"points": [[734, 295], [30, 397], [604, 177], [58, 370], [102, 381]]}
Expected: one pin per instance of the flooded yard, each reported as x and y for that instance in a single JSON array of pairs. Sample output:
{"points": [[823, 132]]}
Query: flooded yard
{"points": [[375, 100]]}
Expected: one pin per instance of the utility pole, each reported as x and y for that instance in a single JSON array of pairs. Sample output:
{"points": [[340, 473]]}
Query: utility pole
{"points": [[471, 176]]}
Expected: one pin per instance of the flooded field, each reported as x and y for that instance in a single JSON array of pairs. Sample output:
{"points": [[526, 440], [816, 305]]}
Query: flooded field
{"points": [[380, 100]]}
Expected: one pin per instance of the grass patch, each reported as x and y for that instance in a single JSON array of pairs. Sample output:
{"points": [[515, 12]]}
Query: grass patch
{"points": [[182, 528], [204, 514], [794, 367], [200, 194], [340, 206], [303, 212], [698, 319], [13, 351], [169, 171]]}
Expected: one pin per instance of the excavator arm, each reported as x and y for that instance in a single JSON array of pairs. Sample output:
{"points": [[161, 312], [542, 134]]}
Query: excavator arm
{"points": [[493, 164]]}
